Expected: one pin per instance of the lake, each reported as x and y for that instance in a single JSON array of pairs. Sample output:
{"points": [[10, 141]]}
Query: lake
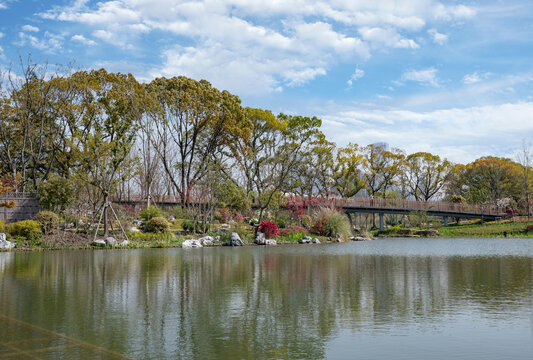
{"points": [[385, 299]]}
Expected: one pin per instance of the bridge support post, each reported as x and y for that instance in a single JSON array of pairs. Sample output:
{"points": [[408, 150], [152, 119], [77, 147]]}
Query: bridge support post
{"points": [[381, 221], [445, 221]]}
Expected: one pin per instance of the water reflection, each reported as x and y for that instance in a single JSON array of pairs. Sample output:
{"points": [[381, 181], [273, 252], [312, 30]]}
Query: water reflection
{"points": [[285, 302]]}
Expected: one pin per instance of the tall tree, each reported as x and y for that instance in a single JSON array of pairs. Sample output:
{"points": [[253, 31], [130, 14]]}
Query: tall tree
{"points": [[272, 152], [381, 168], [111, 115], [425, 174], [194, 125], [313, 174], [348, 174], [489, 179]]}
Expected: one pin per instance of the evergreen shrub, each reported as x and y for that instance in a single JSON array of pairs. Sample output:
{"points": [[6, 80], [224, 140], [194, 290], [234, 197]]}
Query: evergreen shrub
{"points": [[157, 224], [48, 221], [26, 228]]}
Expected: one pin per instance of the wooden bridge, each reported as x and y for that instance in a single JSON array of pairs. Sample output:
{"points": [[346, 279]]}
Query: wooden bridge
{"points": [[365, 205], [403, 207]]}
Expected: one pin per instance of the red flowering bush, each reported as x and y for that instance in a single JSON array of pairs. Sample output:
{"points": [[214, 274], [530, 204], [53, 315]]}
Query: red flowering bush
{"points": [[511, 212], [269, 228], [529, 228]]}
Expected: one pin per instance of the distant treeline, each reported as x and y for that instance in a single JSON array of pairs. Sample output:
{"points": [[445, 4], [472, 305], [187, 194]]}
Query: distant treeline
{"points": [[79, 137]]}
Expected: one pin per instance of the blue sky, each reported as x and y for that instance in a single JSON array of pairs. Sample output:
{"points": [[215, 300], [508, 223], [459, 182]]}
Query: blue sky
{"points": [[448, 77]]}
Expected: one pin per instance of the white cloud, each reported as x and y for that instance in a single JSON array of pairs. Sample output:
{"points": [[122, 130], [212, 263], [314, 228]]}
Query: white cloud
{"points": [[475, 78], [386, 37], [358, 73], [437, 37], [103, 34], [82, 39], [299, 77], [49, 43], [30, 28], [290, 42], [425, 76], [459, 134]]}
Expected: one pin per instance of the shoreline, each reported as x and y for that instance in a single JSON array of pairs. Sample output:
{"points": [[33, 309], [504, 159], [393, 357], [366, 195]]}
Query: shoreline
{"points": [[51, 243]]}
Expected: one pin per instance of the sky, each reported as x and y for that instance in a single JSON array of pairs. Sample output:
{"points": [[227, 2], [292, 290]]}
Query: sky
{"points": [[453, 78]]}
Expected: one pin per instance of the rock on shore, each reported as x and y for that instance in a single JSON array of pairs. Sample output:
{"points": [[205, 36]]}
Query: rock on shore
{"points": [[4, 244]]}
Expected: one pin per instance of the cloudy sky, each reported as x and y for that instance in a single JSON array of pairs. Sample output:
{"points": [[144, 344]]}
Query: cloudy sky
{"points": [[449, 77]]}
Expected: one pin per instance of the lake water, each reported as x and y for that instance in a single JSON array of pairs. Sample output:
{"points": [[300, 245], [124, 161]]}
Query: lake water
{"points": [[386, 299]]}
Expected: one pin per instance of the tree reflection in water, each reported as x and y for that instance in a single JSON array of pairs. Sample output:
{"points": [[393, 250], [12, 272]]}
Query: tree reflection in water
{"points": [[286, 302]]}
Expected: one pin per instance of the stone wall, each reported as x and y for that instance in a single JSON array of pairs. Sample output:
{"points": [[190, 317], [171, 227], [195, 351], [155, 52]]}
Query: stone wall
{"points": [[27, 207]]}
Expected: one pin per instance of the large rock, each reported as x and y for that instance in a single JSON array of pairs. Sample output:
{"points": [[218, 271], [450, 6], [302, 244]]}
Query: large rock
{"points": [[316, 241], [4, 244], [206, 240], [260, 238], [359, 238], [305, 240], [124, 243], [270, 242], [110, 241], [134, 229], [235, 240], [191, 244]]}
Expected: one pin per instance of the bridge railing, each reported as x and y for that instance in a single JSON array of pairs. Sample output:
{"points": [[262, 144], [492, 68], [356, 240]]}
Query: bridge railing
{"points": [[413, 205], [376, 203]]}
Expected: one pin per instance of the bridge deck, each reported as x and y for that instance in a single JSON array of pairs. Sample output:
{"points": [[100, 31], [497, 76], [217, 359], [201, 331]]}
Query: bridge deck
{"points": [[360, 205]]}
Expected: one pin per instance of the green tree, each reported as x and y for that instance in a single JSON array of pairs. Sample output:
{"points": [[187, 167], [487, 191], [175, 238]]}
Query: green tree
{"points": [[56, 193], [486, 180], [348, 175], [425, 174], [195, 125], [111, 113], [272, 153]]}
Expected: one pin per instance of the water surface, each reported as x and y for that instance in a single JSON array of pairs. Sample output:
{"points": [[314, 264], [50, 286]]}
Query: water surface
{"points": [[397, 298]]}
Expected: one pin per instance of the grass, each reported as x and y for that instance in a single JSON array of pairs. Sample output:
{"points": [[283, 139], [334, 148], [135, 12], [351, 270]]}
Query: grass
{"points": [[492, 229]]}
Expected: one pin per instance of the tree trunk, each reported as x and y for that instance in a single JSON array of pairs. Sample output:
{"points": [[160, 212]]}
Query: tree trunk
{"points": [[106, 220]]}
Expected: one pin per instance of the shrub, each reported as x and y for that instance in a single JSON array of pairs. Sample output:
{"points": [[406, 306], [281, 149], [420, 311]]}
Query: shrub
{"points": [[292, 230], [331, 223], [27, 228], [2, 226], [180, 213], [283, 219], [56, 193], [48, 221], [306, 221], [224, 215], [151, 212], [269, 228], [157, 225], [188, 225], [237, 216], [528, 228]]}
